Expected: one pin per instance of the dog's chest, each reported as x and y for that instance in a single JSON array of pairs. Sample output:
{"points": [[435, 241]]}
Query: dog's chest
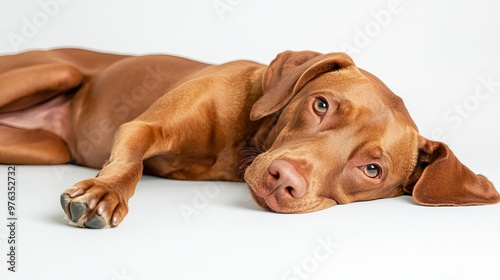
{"points": [[189, 167]]}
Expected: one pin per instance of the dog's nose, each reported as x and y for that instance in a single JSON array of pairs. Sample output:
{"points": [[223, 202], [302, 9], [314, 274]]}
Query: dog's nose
{"points": [[283, 178]]}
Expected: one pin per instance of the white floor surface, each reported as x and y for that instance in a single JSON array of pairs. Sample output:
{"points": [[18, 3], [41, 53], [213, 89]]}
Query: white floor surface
{"points": [[213, 230]]}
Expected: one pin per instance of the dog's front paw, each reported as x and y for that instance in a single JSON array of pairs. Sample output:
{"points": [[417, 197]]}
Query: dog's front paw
{"points": [[93, 204]]}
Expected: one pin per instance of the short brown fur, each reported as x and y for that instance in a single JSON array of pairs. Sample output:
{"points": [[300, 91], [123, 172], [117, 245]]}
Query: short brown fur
{"points": [[310, 130]]}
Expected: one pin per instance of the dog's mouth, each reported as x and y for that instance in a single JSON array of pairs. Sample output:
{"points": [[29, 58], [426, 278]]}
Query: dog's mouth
{"points": [[275, 203], [270, 202], [260, 200]]}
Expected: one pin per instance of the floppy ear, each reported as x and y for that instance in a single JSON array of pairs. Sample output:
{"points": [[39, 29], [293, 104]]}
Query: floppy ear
{"points": [[441, 179], [288, 73]]}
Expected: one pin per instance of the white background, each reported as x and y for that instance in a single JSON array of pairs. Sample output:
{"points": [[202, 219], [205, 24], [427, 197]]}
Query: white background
{"points": [[435, 55]]}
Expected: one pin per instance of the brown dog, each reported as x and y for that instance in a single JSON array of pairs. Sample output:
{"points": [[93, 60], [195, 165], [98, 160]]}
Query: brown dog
{"points": [[307, 132]]}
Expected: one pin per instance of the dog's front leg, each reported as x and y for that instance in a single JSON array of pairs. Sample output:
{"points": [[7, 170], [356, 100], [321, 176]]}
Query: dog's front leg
{"points": [[103, 201]]}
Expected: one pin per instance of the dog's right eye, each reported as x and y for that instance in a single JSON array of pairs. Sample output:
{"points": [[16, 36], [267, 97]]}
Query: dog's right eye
{"points": [[320, 106]]}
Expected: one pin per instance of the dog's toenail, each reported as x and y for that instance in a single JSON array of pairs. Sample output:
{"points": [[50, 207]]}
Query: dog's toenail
{"points": [[64, 203], [77, 193]]}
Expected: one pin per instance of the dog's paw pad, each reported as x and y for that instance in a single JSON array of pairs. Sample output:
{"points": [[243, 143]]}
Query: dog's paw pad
{"points": [[77, 209], [95, 222]]}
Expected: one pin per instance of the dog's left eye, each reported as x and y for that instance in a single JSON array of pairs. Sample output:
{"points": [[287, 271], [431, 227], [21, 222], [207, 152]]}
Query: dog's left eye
{"points": [[371, 170], [320, 106]]}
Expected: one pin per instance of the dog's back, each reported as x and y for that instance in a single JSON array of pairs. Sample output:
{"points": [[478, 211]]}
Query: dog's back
{"points": [[82, 97]]}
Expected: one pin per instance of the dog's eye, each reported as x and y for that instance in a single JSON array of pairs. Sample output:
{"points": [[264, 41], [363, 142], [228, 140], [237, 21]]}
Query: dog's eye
{"points": [[320, 106], [371, 170]]}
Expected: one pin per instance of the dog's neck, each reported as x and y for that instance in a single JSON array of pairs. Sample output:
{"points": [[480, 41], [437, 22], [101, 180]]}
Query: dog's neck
{"points": [[259, 141], [266, 133], [261, 133]]}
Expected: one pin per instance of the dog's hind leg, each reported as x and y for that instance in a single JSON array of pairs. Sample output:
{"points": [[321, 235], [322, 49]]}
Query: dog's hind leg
{"points": [[21, 146], [21, 89], [26, 86]]}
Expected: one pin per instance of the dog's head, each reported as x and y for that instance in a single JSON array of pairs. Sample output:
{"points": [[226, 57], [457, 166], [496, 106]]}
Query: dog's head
{"points": [[343, 136]]}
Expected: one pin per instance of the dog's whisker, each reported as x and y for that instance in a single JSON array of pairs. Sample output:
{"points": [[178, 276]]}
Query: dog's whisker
{"points": [[249, 153]]}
